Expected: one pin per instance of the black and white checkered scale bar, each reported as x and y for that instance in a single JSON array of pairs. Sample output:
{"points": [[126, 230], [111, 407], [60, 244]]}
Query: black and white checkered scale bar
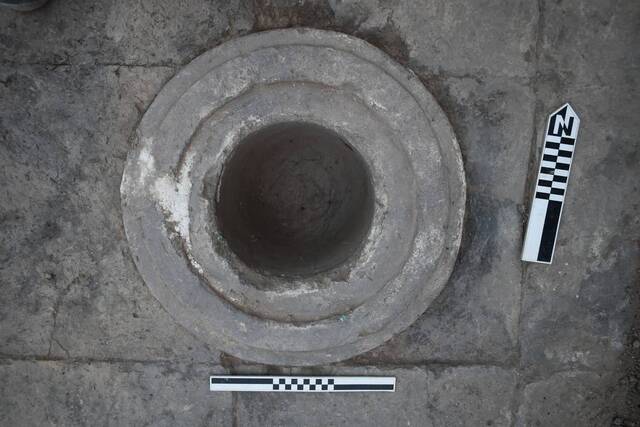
{"points": [[553, 176], [301, 383]]}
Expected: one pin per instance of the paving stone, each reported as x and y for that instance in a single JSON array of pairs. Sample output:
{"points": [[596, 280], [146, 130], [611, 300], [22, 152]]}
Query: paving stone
{"points": [[109, 394], [461, 37], [577, 311], [64, 254], [119, 31], [438, 397], [25, 326], [470, 396], [479, 306], [568, 399], [403, 407], [589, 43]]}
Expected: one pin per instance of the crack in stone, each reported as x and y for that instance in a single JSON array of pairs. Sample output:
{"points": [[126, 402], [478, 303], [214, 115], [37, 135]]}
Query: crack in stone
{"points": [[54, 65], [56, 308], [518, 395], [428, 366], [61, 346]]}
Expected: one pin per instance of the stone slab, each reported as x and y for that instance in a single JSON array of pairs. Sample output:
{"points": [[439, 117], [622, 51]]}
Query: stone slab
{"points": [[64, 257], [109, 394], [470, 396], [435, 397], [589, 43], [578, 311], [490, 38], [568, 399], [118, 31]]}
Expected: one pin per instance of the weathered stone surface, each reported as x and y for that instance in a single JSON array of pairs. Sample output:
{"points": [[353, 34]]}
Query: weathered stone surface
{"points": [[80, 394], [479, 307], [118, 31], [590, 44], [569, 399], [166, 32], [439, 397], [470, 396], [455, 37], [578, 310], [577, 313], [403, 407], [69, 285]]}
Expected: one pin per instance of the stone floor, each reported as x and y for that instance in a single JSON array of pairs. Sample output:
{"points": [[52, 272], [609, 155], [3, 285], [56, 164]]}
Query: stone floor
{"points": [[82, 340]]}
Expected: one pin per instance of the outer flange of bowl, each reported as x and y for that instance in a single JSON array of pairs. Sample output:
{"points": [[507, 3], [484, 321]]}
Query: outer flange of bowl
{"points": [[301, 75]]}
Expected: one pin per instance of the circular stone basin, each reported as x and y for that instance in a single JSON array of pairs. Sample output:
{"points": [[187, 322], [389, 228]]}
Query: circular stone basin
{"points": [[294, 197]]}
